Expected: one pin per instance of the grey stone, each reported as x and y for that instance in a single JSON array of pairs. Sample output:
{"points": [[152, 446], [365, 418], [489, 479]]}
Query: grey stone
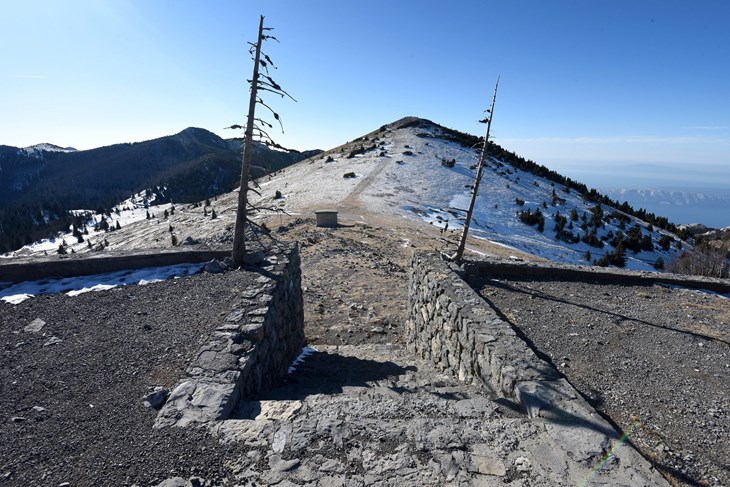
{"points": [[214, 267], [54, 340], [279, 442], [253, 332], [35, 326], [254, 258], [278, 464], [194, 402], [174, 482], [189, 241], [156, 398]]}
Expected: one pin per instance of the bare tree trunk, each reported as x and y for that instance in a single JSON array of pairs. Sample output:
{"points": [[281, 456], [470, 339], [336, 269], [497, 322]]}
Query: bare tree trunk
{"points": [[239, 236], [475, 189]]}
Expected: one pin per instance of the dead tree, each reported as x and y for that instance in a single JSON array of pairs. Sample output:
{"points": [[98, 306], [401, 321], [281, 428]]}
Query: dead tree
{"points": [[261, 81], [477, 179]]}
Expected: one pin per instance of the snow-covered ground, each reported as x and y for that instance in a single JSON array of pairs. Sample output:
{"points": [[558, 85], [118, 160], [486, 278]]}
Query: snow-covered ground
{"points": [[36, 150], [73, 286], [404, 175], [131, 210], [398, 172]]}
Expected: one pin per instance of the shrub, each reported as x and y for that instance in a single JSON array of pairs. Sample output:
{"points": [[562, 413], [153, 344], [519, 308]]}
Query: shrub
{"points": [[616, 257], [592, 240], [278, 195], [703, 260], [349, 175], [448, 162], [407, 153], [329, 159], [519, 202], [174, 240], [659, 264], [665, 242], [530, 218]]}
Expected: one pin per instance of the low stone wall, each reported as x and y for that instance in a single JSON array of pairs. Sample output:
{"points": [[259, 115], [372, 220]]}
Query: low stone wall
{"points": [[84, 264], [552, 270], [451, 325], [253, 346]]}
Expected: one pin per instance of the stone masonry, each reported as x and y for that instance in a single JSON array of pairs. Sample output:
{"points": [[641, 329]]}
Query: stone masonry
{"points": [[451, 326], [251, 348]]}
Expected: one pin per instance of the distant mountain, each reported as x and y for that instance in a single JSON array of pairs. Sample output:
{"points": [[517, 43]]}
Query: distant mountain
{"points": [[670, 196], [710, 207], [45, 147], [417, 170], [41, 183]]}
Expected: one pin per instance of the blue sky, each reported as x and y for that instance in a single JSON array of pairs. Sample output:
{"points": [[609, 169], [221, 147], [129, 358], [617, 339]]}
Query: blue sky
{"points": [[584, 85]]}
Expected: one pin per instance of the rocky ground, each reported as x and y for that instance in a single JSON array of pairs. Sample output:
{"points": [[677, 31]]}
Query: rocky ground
{"points": [[652, 354], [73, 373], [116, 345]]}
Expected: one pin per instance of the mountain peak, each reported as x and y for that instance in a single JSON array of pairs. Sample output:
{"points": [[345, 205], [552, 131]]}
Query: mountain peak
{"points": [[411, 121], [48, 148], [199, 136]]}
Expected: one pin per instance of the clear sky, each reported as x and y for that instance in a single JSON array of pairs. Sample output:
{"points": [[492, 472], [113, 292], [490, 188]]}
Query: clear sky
{"points": [[584, 84]]}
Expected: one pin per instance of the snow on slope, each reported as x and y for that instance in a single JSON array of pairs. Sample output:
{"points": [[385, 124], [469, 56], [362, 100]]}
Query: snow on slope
{"points": [[401, 172], [36, 150], [73, 286], [131, 210]]}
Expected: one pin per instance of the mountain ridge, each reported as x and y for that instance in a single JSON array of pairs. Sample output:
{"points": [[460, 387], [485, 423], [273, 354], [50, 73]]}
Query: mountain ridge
{"points": [[38, 186], [417, 169]]}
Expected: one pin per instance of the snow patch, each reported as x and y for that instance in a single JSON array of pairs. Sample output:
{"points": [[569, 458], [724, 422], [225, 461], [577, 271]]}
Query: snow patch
{"points": [[73, 286]]}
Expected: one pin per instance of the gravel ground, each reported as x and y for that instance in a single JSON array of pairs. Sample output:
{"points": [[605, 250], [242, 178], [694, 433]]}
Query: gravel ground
{"points": [[72, 411], [652, 354]]}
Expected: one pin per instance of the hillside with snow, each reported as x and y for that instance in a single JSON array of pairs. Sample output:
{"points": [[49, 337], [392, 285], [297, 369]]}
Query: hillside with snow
{"points": [[416, 170], [418, 173]]}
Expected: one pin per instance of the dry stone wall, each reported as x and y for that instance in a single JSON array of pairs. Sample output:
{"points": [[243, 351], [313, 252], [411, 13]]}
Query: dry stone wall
{"points": [[252, 347], [450, 324], [453, 327]]}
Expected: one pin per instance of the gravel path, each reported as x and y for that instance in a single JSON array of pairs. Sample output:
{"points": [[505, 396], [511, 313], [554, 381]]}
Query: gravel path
{"points": [[72, 411], [652, 354]]}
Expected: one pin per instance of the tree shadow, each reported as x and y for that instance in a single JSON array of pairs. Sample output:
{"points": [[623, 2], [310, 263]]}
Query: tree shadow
{"points": [[483, 282]]}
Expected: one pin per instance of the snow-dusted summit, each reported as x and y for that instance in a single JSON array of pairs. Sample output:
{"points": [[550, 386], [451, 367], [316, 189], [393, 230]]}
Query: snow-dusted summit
{"points": [[416, 169]]}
